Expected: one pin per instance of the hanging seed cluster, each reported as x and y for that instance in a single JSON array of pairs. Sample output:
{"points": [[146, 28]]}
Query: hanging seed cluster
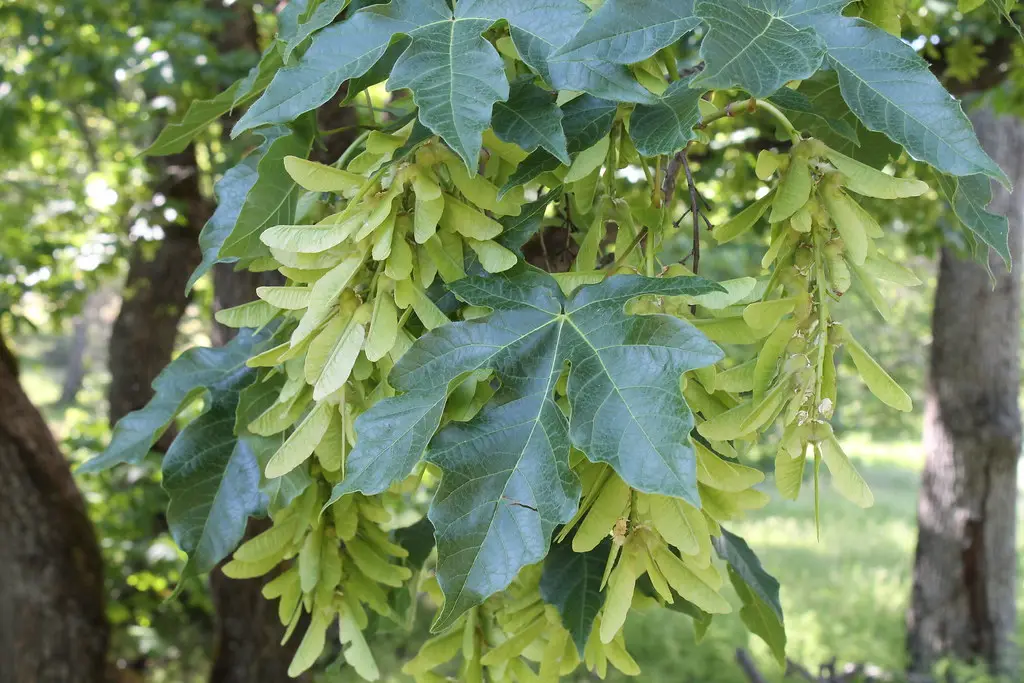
{"points": [[398, 219]]}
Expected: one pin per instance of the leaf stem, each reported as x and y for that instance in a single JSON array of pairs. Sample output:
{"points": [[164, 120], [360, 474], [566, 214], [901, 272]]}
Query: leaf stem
{"points": [[351, 149], [751, 105], [629, 250], [695, 211], [822, 318]]}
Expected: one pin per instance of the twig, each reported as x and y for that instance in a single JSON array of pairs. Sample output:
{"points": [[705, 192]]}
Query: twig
{"points": [[695, 210], [747, 664], [544, 250], [668, 187], [794, 668], [752, 105]]}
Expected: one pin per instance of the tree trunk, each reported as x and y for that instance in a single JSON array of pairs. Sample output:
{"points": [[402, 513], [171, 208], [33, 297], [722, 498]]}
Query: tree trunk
{"points": [[963, 603], [153, 297], [53, 626], [248, 642], [74, 373]]}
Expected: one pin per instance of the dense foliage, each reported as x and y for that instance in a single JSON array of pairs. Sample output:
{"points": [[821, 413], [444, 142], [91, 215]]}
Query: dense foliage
{"points": [[571, 435]]}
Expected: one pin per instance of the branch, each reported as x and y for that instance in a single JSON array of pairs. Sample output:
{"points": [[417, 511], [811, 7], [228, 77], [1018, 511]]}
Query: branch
{"points": [[695, 212], [747, 664]]}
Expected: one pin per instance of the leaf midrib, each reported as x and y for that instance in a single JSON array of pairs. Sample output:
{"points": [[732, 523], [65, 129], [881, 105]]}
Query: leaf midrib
{"points": [[552, 379], [597, 354]]}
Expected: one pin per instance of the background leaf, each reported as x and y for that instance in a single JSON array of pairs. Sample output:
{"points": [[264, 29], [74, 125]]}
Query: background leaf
{"points": [[176, 137], [666, 127], [531, 119], [585, 120], [212, 479], [187, 378], [891, 89], [271, 199], [572, 582], [969, 196], [757, 589]]}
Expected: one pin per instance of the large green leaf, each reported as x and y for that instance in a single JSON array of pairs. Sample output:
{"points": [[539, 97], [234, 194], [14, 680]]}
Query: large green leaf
{"points": [[755, 49], [968, 196], [585, 120], [271, 199], [531, 119], [231, 191], [506, 480], [201, 113], [666, 127], [891, 90], [626, 32], [455, 77], [757, 589], [454, 74], [321, 16], [192, 375], [571, 581], [212, 479]]}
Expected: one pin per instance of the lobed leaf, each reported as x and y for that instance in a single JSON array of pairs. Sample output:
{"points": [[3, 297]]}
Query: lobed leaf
{"points": [[754, 48], [506, 481]]}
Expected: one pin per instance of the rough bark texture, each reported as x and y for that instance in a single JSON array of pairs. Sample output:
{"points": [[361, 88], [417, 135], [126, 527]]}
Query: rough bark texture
{"points": [[965, 569], [248, 647], [153, 297], [53, 627]]}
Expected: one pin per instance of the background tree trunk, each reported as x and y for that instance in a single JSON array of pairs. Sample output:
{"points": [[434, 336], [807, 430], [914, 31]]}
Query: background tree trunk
{"points": [[74, 374], [248, 634], [963, 603], [53, 627], [153, 297]]}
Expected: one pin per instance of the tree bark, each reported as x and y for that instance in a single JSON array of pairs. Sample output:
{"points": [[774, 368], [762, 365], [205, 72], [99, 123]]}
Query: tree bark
{"points": [[153, 297], [248, 634], [74, 373], [53, 626], [963, 603]]}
